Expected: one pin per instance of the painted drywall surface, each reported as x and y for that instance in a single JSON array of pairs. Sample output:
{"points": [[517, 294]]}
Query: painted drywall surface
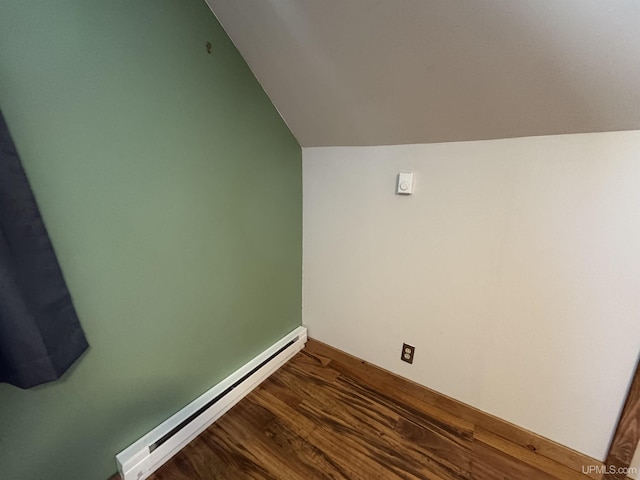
{"points": [[360, 72], [172, 192], [514, 269]]}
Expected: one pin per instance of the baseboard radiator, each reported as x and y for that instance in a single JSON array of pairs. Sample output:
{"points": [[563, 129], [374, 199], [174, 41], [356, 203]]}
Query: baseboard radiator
{"points": [[150, 452]]}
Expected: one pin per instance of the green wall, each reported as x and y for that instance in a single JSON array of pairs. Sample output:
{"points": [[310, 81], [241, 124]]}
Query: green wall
{"points": [[171, 189]]}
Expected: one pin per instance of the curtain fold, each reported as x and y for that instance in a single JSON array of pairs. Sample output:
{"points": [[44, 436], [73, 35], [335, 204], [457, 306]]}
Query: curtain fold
{"points": [[40, 334]]}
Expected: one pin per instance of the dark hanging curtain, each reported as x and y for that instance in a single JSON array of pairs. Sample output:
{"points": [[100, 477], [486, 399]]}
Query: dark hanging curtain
{"points": [[40, 335]]}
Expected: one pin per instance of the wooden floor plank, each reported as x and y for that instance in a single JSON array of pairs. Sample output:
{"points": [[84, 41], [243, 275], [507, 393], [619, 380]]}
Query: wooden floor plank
{"points": [[365, 415], [326, 415], [346, 454], [492, 464], [627, 434], [386, 381], [550, 467]]}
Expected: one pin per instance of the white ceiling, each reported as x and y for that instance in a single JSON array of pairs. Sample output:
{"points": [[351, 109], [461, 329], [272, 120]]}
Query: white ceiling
{"points": [[373, 72]]}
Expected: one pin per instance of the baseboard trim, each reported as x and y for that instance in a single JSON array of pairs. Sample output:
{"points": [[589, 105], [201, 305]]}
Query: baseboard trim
{"points": [[538, 445], [145, 456]]}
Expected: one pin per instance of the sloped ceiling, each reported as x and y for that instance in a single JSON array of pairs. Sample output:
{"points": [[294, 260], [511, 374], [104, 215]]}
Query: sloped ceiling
{"points": [[373, 72]]}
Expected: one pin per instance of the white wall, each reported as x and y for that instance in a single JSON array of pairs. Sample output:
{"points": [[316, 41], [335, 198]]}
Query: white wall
{"points": [[514, 269]]}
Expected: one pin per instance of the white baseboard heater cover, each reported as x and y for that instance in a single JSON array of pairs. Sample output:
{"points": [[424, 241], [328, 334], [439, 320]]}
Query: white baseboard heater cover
{"points": [[145, 456]]}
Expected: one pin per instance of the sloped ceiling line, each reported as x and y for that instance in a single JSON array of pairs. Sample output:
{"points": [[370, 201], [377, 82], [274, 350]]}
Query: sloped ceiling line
{"points": [[373, 72]]}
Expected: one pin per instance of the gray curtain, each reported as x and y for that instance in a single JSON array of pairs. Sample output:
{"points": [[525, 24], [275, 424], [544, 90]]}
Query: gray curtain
{"points": [[40, 335]]}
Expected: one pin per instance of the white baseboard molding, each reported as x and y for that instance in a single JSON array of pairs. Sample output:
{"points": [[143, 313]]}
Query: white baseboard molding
{"points": [[150, 452]]}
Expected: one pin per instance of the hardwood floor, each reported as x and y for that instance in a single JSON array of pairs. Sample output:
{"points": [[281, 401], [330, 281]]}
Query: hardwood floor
{"points": [[322, 416], [627, 435]]}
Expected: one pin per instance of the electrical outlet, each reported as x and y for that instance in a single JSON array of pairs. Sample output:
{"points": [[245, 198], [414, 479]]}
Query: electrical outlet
{"points": [[407, 353]]}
